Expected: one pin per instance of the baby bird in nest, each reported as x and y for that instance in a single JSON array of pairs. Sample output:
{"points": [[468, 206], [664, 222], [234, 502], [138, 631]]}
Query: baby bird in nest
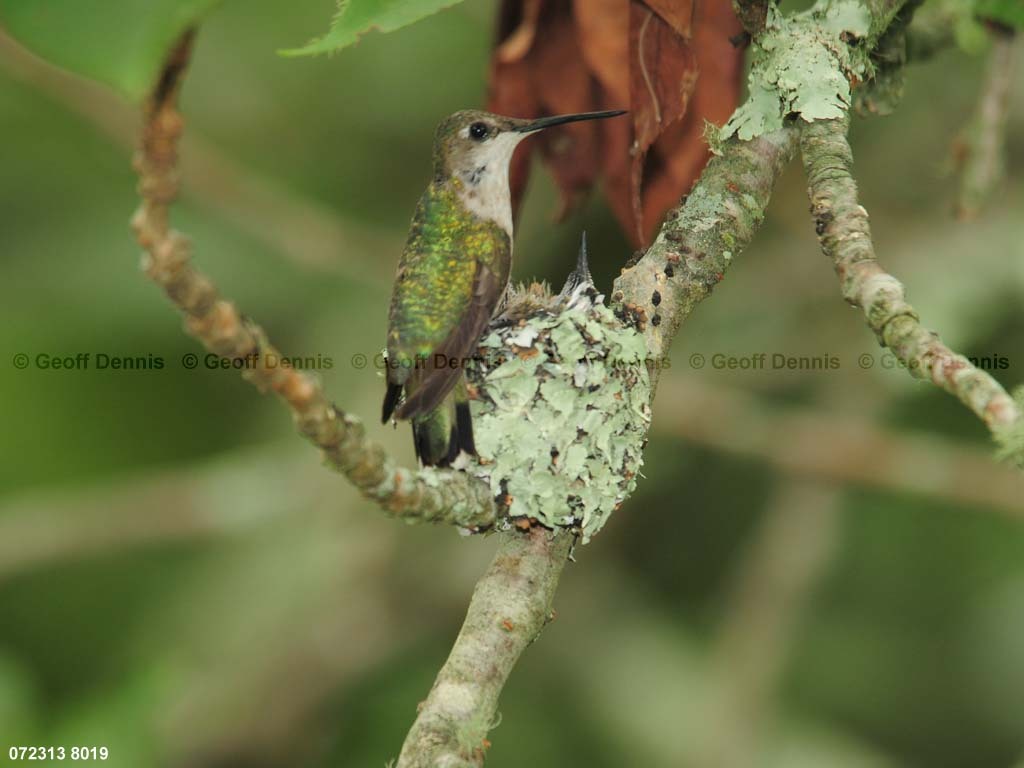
{"points": [[524, 301]]}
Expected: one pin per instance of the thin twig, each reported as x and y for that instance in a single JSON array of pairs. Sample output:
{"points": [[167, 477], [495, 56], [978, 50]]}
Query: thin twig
{"points": [[845, 237], [983, 144], [775, 581], [510, 606], [428, 495]]}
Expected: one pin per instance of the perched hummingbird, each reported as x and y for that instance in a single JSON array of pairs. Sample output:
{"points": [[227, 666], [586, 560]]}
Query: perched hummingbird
{"points": [[452, 274]]}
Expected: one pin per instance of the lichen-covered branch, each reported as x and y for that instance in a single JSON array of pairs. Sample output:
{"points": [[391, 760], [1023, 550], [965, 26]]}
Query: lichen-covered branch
{"points": [[510, 606], [424, 496], [984, 140], [700, 238], [845, 237], [806, 65]]}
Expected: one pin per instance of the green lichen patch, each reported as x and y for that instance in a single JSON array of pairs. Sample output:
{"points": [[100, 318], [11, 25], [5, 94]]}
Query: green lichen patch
{"points": [[561, 416], [802, 66]]}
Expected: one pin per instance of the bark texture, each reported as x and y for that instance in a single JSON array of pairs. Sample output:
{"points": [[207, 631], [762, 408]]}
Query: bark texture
{"points": [[510, 606], [845, 236]]}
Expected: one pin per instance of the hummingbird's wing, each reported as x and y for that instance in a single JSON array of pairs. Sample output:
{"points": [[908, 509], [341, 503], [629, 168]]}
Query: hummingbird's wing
{"points": [[453, 271], [430, 384]]}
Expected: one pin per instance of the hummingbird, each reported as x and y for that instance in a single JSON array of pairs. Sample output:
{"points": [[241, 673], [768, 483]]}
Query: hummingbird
{"points": [[453, 272]]}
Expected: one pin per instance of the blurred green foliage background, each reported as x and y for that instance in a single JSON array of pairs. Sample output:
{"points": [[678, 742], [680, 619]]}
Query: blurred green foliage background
{"points": [[820, 568]]}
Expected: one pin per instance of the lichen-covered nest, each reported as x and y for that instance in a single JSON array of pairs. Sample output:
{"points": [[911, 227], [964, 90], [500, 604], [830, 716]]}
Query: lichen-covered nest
{"points": [[560, 415]]}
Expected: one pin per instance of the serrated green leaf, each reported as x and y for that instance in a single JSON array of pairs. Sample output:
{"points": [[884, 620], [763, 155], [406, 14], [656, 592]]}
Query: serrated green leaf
{"points": [[122, 43], [357, 17]]}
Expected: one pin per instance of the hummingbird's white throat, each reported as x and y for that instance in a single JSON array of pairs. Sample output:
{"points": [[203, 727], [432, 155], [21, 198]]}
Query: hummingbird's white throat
{"points": [[484, 175]]}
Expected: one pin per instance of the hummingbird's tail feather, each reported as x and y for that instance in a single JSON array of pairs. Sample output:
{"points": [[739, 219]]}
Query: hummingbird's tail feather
{"points": [[435, 436], [441, 434], [433, 449], [464, 427], [391, 396]]}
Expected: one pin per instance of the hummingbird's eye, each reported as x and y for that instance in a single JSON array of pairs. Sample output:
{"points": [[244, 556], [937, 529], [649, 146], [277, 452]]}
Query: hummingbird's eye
{"points": [[479, 131]]}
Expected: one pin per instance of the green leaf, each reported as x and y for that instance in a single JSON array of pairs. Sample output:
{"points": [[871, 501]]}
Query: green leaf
{"points": [[122, 43], [1008, 12], [357, 17]]}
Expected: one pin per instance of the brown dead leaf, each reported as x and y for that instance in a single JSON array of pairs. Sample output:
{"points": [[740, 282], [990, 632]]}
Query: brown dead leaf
{"points": [[662, 73], [518, 43], [564, 82], [678, 14], [669, 62], [679, 154], [599, 24], [662, 76]]}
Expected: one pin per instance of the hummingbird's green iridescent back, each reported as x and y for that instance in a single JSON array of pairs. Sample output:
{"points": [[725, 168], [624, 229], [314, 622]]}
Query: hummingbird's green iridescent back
{"points": [[453, 271]]}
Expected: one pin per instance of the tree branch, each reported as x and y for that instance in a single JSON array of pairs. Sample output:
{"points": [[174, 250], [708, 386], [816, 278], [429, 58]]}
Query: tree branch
{"points": [[510, 606], [845, 236], [428, 495], [700, 238]]}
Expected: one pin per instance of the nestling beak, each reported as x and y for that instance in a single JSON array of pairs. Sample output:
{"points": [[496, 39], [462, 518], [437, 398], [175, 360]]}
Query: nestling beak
{"points": [[549, 122]]}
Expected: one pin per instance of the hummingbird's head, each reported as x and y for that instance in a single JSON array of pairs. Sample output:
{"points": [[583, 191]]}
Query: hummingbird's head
{"points": [[476, 147]]}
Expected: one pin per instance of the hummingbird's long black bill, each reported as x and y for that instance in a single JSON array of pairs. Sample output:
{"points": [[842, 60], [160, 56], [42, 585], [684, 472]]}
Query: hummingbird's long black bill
{"points": [[550, 122]]}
